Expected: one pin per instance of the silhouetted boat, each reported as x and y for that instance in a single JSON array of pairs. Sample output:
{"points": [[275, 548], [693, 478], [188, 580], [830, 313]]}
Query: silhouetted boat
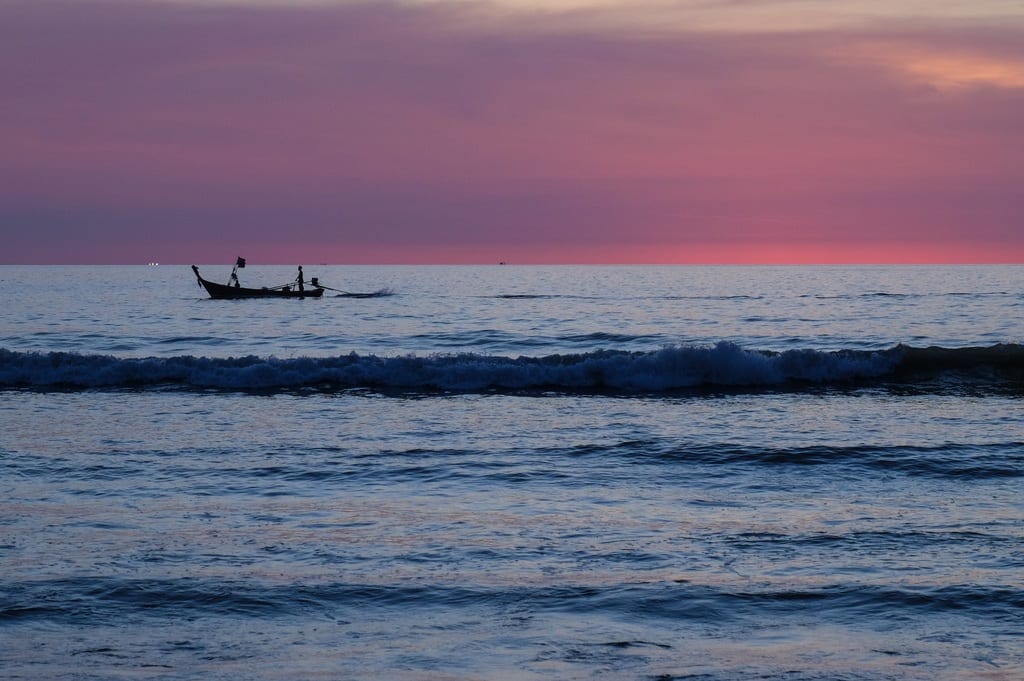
{"points": [[234, 290]]}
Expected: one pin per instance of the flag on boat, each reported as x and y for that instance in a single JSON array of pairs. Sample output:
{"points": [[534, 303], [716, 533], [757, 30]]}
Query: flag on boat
{"points": [[240, 262]]}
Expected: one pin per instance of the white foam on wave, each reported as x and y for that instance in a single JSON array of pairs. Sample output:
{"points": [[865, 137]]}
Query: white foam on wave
{"points": [[676, 367]]}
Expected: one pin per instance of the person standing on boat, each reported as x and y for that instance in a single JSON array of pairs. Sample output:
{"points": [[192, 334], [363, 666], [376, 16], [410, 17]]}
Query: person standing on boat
{"points": [[299, 279], [233, 280]]}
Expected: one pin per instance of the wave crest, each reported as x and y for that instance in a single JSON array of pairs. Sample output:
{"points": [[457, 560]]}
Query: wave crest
{"points": [[671, 368]]}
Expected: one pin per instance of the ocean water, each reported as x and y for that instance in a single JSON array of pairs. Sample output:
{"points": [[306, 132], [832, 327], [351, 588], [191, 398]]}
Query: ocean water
{"points": [[705, 473]]}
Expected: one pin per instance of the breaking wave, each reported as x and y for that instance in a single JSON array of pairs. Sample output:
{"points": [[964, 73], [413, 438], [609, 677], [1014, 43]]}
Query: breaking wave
{"points": [[725, 365], [111, 599]]}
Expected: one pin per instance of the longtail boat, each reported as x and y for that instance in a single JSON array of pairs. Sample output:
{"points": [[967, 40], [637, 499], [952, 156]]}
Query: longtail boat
{"points": [[233, 289]]}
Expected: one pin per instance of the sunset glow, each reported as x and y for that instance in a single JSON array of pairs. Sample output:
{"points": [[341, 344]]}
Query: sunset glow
{"points": [[953, 72], [517, 130]]}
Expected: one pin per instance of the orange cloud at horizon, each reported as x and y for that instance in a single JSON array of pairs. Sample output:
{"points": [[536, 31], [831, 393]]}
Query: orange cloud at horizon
{"points": [[671, 254], [944, 68]]}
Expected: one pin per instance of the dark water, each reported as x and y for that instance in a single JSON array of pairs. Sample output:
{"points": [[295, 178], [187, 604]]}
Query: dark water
{"points": [[517, 473]]}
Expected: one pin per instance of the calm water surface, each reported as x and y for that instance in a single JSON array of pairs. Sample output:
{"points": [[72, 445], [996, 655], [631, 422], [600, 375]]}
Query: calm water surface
{"points": [[514, 473]]}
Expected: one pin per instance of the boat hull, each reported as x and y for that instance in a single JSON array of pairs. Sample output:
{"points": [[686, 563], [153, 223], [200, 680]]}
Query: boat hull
{"points": [[223, 292]]}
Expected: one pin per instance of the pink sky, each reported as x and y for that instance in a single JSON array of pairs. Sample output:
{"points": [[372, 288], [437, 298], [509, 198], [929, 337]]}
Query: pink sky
{"points": [[518, 130]]}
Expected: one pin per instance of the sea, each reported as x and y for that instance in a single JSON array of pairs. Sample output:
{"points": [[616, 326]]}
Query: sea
{"points": [[456, 473]]}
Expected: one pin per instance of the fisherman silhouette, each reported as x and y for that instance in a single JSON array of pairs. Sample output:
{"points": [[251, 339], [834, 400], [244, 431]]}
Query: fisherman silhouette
{"points": [[299, 279]]}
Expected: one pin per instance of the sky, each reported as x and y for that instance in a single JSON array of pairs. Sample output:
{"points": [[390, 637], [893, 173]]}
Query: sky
{"points": [[525, 131]]}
